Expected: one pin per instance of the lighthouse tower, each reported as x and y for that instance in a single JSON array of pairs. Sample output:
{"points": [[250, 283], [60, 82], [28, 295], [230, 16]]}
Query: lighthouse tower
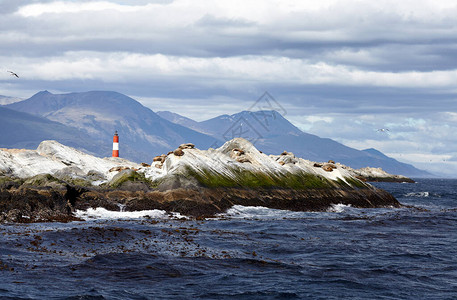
{"points": [[115, 145]]}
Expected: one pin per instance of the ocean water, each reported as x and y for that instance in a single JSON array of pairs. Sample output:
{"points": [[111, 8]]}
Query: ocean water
{"points": [[247, 253]]}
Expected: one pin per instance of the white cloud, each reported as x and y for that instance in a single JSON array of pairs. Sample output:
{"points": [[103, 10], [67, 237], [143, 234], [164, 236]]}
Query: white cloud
{"points": [[61, 7], [385, 64], [232, 70]]}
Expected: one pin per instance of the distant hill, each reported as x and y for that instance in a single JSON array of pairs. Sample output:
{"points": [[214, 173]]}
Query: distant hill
{"points": [[272, 133], [7, 100], [23, 130], [143, 134]]}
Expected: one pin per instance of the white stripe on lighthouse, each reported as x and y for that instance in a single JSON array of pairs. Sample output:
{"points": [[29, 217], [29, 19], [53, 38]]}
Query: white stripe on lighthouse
{"points": [[115, 146]]}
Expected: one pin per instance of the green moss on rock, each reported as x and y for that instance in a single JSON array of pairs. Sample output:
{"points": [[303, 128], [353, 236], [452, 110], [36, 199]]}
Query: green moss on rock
{"points": [[252, 179], [42, 180], [128, 175]]}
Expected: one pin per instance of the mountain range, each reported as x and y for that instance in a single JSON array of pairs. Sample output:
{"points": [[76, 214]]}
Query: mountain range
{"points": [[97, 115], [272, 133], [87, 121]]}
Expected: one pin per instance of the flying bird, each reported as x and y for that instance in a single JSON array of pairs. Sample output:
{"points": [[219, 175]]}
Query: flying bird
{"points": [[383, 130], [13, 74]]}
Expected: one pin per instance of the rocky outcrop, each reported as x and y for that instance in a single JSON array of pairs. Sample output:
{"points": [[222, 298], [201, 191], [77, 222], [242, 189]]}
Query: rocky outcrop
{"points": [[46, 204], [377, 175], [39, 199], [189, 181]]}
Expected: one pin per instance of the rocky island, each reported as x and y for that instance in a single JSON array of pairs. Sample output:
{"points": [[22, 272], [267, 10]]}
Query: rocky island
{"points": [[53, 181]]}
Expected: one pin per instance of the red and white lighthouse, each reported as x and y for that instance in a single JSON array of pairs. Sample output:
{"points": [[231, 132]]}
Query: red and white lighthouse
{"points": [[115, 145]]}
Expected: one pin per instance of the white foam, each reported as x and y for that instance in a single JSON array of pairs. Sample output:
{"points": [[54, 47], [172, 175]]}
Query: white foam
{"points": [[101, 213], [338, 208], [259, 212], [418, 194]]}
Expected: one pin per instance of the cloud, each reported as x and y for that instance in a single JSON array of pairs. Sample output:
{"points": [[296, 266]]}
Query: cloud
{"points": [[342, 69]]}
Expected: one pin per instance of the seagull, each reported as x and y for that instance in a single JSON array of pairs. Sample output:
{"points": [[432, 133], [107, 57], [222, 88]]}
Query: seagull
{"points": [[383, 130], [13, 74]]}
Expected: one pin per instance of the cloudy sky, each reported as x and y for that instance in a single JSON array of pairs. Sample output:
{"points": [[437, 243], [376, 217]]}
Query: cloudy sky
{"points": [[341, 69]]}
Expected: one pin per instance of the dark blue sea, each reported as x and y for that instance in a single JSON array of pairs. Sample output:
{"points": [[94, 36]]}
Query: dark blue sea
{"points": [[248, 253]]}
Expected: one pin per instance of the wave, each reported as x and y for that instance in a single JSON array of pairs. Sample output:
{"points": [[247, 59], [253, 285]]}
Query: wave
{"points": [[259, 212], [104, 214], [418, 194], [338, 208]]}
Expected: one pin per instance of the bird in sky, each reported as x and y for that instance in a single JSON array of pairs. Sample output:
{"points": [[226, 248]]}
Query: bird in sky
{"points": [[383, 130], [13, 74]]}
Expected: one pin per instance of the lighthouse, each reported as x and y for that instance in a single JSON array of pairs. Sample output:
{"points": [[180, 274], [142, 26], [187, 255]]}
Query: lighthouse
{"points": [[115, 145]]}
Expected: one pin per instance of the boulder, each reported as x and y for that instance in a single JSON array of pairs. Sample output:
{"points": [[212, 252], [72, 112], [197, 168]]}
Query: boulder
{"points": [[331, 162], [95, 175], [42, 180], [243, 160], [127, 176], [145, 165]]}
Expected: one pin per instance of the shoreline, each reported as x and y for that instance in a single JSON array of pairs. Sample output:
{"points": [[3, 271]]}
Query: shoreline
{"points": [[57, 203]]}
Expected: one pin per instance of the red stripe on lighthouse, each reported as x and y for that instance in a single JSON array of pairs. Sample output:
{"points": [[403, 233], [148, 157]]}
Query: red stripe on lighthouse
{"points": [[115, 145]]}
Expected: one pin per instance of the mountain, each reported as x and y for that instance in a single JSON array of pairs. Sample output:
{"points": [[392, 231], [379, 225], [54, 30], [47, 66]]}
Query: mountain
{"points": [[98, 114], [7, 100], [23, 130], [272, 134], [181, 120]]}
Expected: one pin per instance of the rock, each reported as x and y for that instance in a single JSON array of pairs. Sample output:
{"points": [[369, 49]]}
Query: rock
{"points": [[69, 172], [331, 162], [158, 166], [284, 153], [288, 159], [145, 165], [95, 176], [187, 146], [42, 180], [127, 175], [243, 160], [238, 151], [178, 152], [317, 165], [179, 195], [282, 163]]}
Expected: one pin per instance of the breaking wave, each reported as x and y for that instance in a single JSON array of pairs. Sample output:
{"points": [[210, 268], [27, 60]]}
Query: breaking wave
{"points": [[104, 214], [338, 208], [260, 212], [418, 194]]}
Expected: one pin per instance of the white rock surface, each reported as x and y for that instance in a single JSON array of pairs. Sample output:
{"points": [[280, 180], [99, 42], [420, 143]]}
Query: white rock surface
{"points": [[51, 157], [233, 157]]}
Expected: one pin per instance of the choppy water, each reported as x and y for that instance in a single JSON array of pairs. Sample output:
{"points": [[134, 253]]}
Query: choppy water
{"points": [[248, 253]]}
